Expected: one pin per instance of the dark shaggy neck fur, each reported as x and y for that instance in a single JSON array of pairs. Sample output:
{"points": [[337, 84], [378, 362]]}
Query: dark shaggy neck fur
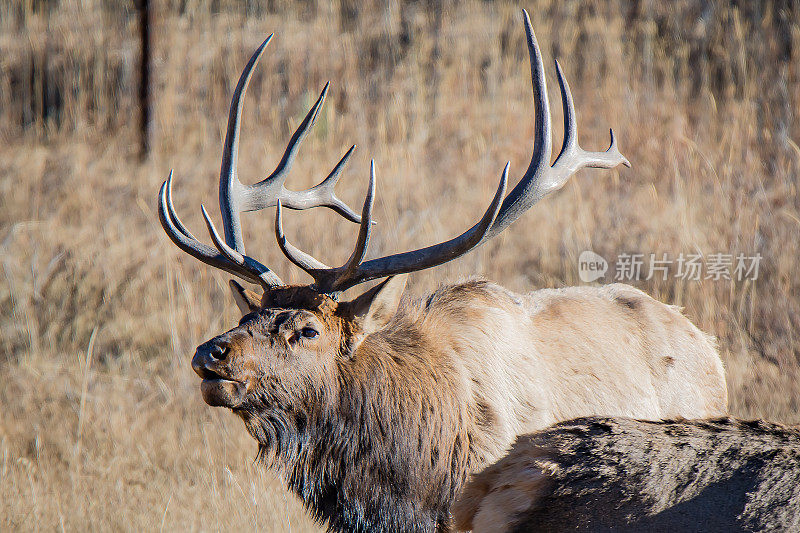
{"points": [[386, 447]]}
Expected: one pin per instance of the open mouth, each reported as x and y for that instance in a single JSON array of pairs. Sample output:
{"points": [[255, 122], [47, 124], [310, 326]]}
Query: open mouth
{"points": [[210, 375]]}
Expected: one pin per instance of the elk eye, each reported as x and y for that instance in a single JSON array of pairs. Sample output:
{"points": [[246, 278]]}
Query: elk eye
{"points": [[309, 332]]}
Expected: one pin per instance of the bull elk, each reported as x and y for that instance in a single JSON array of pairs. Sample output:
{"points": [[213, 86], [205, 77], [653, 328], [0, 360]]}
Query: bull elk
{"points": [[624, 475], [376, 410]]}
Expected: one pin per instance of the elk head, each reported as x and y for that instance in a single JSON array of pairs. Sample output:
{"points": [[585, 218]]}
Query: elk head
{"points": [[290, 340]]}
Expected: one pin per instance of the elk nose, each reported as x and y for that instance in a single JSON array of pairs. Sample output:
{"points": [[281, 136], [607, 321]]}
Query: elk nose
{"points": [[219, 350], [207, 355]]}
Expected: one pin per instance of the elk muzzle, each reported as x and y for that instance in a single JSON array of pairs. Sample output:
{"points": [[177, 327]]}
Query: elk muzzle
{"points": [[218, 387]]}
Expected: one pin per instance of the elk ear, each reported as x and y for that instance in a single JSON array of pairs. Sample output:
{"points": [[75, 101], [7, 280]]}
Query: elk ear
{"points": [[246, 300], [378, 305]]}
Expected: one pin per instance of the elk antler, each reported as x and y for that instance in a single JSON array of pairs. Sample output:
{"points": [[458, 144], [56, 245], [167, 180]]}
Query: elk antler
{"points": [[235, 197], [539, 180]]}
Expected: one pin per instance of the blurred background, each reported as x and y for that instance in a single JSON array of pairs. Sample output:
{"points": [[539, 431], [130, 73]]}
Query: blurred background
{"points": [[103, 427]]}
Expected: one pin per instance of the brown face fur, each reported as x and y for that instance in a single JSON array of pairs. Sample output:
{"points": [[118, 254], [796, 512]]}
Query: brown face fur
{"points": [[285, 347]]}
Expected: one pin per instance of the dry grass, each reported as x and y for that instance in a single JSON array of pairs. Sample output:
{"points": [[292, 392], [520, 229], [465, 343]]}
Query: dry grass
{"points": [[102, 424]]}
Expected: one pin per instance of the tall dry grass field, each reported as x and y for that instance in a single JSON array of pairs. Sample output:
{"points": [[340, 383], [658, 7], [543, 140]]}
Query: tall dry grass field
{"points": [[102, 425]]}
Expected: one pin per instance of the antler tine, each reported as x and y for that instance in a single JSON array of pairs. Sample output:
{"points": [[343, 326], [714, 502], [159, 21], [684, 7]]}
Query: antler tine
{"points": [[526, 192], [261, 273], [278, 175], [429, 256], [542, 141], [350, 268], [570, 143], [230, 187], [242, 266], [264, 193], [227, 251], [295, 255], [171, 210], [572, 157], [323, 194]]}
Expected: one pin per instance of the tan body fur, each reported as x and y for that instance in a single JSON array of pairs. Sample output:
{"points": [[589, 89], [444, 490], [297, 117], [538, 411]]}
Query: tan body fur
{"points": [[529, 361], [525, 362]]}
